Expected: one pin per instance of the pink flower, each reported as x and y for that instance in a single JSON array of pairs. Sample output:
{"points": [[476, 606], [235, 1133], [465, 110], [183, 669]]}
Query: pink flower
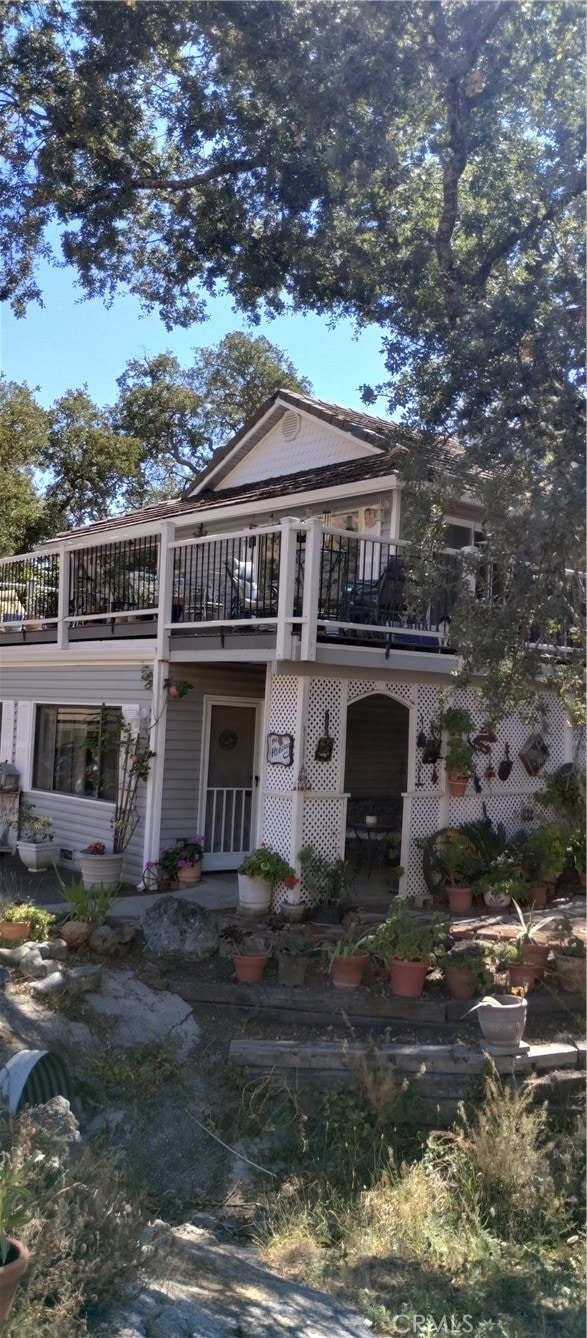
{"points": [[184, 864], [173, 690]]}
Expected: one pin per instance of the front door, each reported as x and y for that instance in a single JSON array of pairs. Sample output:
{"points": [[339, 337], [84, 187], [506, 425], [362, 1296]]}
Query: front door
{"points": [[229, 790]]}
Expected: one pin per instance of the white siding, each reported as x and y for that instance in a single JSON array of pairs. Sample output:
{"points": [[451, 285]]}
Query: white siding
{"points": [[8, 734], [317, 444], [181, 777]]}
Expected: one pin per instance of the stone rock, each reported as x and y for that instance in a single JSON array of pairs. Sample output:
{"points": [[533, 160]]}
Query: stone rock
{"points": [[55, 950], [56, 983], [179, 931], [13, 956], [33, 966], [125, 932], [57, 1118], [4, 976], [104, 941], [75, 933], [139, 1016], [84, 979], [106, 1119]]}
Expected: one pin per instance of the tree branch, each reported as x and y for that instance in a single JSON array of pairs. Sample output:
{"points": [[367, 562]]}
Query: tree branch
{"points": [[525, 234], [174, 184]]}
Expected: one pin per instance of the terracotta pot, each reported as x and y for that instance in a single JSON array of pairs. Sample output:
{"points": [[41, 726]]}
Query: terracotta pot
{"points": [[503, 1028], [249, 967], [407, 978], [254, 895], [570, 973], [460, 899], [458, 979], [538, 896], [191, 875], [521, 973], [10, 1275], [536, 954], [15, 929], [457, 786], [291, 971], [347, 972], [583, 880]]}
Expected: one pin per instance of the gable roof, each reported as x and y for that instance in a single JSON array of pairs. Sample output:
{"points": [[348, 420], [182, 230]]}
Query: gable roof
{"points": [[378, 433]]}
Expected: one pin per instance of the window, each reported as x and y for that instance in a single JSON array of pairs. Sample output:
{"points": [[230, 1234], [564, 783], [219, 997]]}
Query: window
{"points": [[76, 750]]}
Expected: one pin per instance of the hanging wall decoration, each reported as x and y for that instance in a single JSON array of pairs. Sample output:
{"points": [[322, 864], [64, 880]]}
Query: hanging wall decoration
{"points": [[534, 754], [504, 769], [280, 750], [325, 744]]}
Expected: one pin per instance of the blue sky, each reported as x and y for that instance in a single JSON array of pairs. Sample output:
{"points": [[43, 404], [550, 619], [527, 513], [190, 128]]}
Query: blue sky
{"points": [[69, 342]]}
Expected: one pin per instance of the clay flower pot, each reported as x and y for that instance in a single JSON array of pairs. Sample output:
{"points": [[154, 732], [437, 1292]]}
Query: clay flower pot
{"points": [[291, 970], [189, 875], [347, 972], [15, 929], [458, 979], [521, 973], [457, 786], [570, 973], [249, 967], [460, 899], [10, 1274], [503, 1027], [536, 954], [407, 978], [538, 896]]}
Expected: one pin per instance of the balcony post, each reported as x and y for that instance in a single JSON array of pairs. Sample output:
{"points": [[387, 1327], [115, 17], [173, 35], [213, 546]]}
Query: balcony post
{"points": [[312, 571], [287, 577], [63, 598], [165, 600], [158, 725]]}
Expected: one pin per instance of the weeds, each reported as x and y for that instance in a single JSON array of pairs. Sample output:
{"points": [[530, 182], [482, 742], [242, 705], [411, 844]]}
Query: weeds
{"points": [[92, 907], [83, 1231], [136, 1072]]}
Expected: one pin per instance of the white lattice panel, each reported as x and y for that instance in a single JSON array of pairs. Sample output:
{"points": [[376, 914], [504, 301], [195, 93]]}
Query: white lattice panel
{"points": [[424, 822], [579, 747], [282, 720], [277, 822], [325, 695], [322, 824], [403, 692]]}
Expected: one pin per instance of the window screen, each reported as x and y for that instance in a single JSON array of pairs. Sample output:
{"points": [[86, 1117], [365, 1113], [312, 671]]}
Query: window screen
{"points": [[76, 750]]}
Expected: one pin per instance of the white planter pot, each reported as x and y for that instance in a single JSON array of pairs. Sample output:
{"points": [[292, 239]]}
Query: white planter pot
{"points": [[503, 1027], [101, 871], [36, 855], [254, 895], [499, 900]]}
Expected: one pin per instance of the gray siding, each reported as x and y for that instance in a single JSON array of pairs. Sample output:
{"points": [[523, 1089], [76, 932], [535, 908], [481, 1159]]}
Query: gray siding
{"points": [[80, 821], [183, 750]]}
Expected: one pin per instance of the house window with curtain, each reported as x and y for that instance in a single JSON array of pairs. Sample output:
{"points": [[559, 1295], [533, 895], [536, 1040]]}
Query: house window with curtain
{"points": [[76, 750]]}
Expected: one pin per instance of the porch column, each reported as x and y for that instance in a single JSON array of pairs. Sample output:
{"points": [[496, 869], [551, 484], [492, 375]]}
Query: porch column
{"points": [[158, 724], [63, 598]]}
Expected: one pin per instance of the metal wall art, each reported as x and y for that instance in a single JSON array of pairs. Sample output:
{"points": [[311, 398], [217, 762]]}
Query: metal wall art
{"points": [[534, 754], [280, 750]]}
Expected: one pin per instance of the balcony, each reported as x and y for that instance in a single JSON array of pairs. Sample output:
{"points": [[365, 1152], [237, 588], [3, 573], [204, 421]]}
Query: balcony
{"points": [[296, 584]]}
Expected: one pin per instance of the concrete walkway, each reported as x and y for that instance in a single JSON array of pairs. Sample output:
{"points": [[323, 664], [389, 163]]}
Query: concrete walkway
{"points": [[215, 891]]}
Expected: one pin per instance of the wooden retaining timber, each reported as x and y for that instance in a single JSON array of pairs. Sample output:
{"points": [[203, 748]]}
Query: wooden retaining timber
{"points": [[324, 1006], [441, 1074]]}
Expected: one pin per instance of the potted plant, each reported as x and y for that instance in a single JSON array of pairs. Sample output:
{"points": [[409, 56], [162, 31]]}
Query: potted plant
{"points": [[520, 972], [408, 943], [99, 867], [578, 851], [35, 843], [258, 876], [532, 953], [498, 887], [457, 865], [292, 907], [182, 863], [21, 920], [502, 1019], [465, 968], [569, 958], [292, 961], [14, 1256], [329, 882], [545, 853], [347, 962], [250, 962], [459, 760]]}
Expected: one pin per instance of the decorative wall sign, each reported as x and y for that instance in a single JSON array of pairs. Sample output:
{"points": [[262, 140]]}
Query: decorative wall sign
{"points": [[227, 740], [534, 754], [280, 750]]}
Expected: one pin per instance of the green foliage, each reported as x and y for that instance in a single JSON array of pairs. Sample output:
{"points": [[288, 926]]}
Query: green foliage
{"points": [[40, 921], [33, 827], [14, 1204], [456, 861], [331, 881], [460, 757], [545, 852], [457, 722], [185, 851], [405, 935], [563, 791], [91, 907], [472, 958], [347, 946], [136, 1073], [23, 434], [267, 864]]}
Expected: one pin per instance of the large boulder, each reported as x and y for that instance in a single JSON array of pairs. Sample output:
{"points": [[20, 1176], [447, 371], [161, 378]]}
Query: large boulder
{"points": [[179, 931]]}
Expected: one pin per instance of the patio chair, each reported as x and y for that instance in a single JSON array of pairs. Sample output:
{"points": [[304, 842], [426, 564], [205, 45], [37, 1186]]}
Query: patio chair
{"points": [[247, 601], [380, 601]]}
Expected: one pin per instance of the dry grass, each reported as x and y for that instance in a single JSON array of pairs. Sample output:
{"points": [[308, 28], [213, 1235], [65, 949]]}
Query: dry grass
{"points": [[83, 1233]]}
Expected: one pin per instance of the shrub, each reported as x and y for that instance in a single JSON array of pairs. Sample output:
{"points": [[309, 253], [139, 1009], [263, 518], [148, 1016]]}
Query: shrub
{"points": [[40, 921], [267, 864], [92, 907], [331, 881]]}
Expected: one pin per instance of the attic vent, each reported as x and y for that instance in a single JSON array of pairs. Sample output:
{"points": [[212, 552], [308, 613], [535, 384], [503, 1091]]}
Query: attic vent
{"points": [[290, 425]]}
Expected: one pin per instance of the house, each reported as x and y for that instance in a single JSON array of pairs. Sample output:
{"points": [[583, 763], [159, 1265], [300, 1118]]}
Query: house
{"points": [[275, 587]]}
